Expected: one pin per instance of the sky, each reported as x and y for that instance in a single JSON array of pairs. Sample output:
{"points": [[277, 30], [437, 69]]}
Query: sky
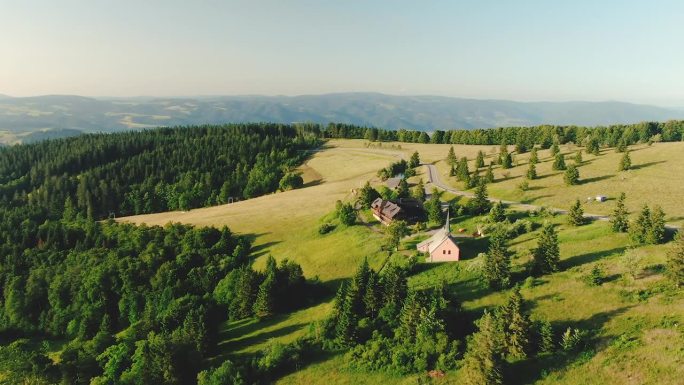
{"points": [[520, 50]]}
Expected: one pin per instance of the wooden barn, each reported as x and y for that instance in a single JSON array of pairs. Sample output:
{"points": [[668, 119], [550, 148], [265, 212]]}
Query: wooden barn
{"points": [[385, 211]]}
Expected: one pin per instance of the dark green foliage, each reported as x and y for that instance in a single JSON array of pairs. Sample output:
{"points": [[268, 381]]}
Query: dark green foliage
{"points": [[345, 213], [546, 255], [291, 180], [367, 195], [403, 189], [433, 208], [534, 158], [227, 373], [593, 147], [451, 157], [595, 277], [418, 191], [482, 363], [479, 160], [656, 233], [505, 158], [576, 214], [625, 163], [489, 175], [622, 146], [462, 171], [515, 325], [555, 150], [675, 260], [414, 161], [559, 162], [394, 169], [531, 171], [578, 157], [497, 213], [326, 228], [545, 339], [571, 175], [649, 227], [480, 203], [620, 221], [497, 266]]}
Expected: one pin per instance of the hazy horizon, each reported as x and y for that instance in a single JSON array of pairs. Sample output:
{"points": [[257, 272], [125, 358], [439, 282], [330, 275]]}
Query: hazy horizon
{"points": [[529, 51]]}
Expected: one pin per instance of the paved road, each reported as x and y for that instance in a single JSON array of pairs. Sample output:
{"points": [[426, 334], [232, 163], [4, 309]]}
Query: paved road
{"points": [[435, 179]]}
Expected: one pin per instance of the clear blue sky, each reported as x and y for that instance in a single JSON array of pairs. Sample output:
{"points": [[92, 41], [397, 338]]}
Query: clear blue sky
{"points": [[522, 50]]}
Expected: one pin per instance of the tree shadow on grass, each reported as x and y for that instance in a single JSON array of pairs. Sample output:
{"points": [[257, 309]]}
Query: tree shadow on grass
{"points": [[595, 179], [238, 342], [644, 165], [534, 199], [589, 257], [534, 368]]}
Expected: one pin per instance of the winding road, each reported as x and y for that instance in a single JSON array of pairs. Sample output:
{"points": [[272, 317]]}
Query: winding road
{"points": [[435, 179]]}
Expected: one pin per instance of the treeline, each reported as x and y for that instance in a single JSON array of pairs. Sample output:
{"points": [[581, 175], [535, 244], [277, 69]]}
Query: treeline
{"points": [[153, 170], [526, 137], [138, 304]]}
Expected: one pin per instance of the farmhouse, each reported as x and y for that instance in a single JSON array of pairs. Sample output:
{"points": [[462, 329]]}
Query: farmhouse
{"points": [[385, 211], [441, 246]]}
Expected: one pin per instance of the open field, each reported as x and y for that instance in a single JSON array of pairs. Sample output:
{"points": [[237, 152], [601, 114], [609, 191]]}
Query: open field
{"points": [[636, 323]]}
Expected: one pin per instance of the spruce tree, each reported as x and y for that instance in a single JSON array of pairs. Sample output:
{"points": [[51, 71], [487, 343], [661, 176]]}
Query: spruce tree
{"points": [[593, 147], [497, 265], [546, 337], [264, 305], [475, 179], [403, 189], [506, 160], [516, 326], [578, 157], [497, 213], [489, 175], [367, 195], [415, 160], [571, 175], [479, 161], [622, 146], [462, 172], [372, 298], [576, 214], [619, 221], [625, 162], [451, 157], [559, 162], [482, 362], [675, 261], [555, 150], [531, 171], [534, 158], [419, 191], [640, 227], [346, 328], [547, 254], [656, 234], [479, 204]]}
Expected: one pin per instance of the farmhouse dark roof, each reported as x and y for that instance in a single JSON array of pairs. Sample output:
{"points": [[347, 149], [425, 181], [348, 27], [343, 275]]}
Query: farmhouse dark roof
{"points": [[388, 209]]}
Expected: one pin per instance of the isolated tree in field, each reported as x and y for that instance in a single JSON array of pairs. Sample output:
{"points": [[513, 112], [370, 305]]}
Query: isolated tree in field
{"points": [[593, 147], [489, 175], [415, 160], [571, 175], [479, 161], [462, 172], [497, 265], [394, 232], [497, 213], [534, 158], [620, 221], [475, 179], [367, 195], [419, 191], [545, 342], [576, 214], [559, 162], [555, 150], [547, 254], [482, 362], [346, 213], [531, 171], [516, 325], [640, 227], [451, 157], [578, 157], [480, 202], [656, 233], [622, 146], [675, 260], [506, 160], [625, 163]]}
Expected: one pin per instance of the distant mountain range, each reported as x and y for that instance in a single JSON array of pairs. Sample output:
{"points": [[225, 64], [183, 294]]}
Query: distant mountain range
{"points": [[40, 117]]}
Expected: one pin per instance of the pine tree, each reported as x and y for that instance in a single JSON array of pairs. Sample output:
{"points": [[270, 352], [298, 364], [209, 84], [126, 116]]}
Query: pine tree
{"points": [[264, 305], [394, 232], [531, 171], [578, 157], [559, 162], [675, 261], [497, 266], [419, 191], [534, 158], [451, 157], [555, 150], [547, 255], [619, 220], [506, 160], [625, 162], [403, 189], [489, 175], [462, 172], [622, 146], [372, 298], [546, 337], [415, 160], [516, 326], [576, 214], [480, 202], [497, 213], [433, 208], [475, 179], [346, 328], [656, 234], [593, 147], [479, 161], [482, 363], [367, 195], [641, 226], [571, 175]]}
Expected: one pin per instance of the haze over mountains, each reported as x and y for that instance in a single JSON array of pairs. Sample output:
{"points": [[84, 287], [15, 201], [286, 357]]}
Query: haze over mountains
{"points": [[32, 118]]}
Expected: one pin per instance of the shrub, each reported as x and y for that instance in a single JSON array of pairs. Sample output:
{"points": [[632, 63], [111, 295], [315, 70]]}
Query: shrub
{"points": [[326, 228], [595, 277]]}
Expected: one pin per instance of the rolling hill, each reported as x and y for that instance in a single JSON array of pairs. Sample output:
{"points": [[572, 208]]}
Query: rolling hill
{"points": [[60, 112]]}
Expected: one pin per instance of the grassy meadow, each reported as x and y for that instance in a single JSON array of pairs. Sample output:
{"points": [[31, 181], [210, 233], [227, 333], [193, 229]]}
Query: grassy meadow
{"points": [[635, 318]]}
